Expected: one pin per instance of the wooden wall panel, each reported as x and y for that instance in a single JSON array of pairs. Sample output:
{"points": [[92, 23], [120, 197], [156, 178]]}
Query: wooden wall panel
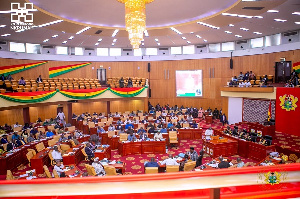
{"points": [[126, 105], [90, 107], [11, 116], [44, 112]]}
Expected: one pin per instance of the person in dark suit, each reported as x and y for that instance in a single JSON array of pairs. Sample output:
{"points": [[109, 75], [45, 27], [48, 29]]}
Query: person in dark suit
{"points": [[223, 119], [223, 164], [39, 79], [199, 159], [88, 150], [216, 113], [121, 82]]}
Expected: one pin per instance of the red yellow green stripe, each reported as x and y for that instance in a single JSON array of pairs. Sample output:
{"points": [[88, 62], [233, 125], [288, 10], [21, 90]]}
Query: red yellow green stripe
{"points": [[13, 69], [83, 94], [28, 97], [59, 70], [296, 67], [127, 92]]}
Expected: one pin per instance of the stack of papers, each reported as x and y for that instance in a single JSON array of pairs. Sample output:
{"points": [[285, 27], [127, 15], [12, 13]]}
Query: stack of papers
{"points": [[30, 177]]}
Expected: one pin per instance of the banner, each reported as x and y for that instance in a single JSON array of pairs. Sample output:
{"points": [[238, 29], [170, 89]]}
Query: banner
{"points": [[296, 67], [60, 70], [288, 110], [13, 69]]}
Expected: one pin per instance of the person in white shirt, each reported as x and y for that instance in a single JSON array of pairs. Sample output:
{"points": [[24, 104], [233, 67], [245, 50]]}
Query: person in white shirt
{"points": [[248, 84], [56, 154], [98, 167], [169, 161], [158, 136], [163, 114], [17, 125], [111, 128], [59, 167], [208, 133], [241, 84], [127, 121], [61, 116], [174, 117], [117, 114]]}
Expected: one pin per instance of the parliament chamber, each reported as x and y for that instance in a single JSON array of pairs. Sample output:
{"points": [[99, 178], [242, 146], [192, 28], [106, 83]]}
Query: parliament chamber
{"points": [[201, 100]]}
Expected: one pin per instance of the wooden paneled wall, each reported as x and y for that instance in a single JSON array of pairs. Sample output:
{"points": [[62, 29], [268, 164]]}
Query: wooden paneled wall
{"points": [[91, 107], [11, 116], [162, 87]]}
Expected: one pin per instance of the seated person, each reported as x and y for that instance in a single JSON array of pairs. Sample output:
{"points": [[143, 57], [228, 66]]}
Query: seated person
{"points": [[189, 119], [129, 125], [78, 134], [22, 81], [140, 131], [42, 135], [151, 129], [160, 125], [152, 163], [242, 84], [172, 129], [158, 136], [118, 126], [39, 79], [178, 125], [15, 136], [95, 120], [56, 154], [169, 161], [235, 131], [62, 138], [17, 125], [59, 168], [49, 133], [208, 133], [127, 121], [164, 130], [30, 138], [131, 137], [144, 136], [95, 138], [89, 151], [240, 163], [4, 139], [100, 130], [247, 84], [193, 155], [99, 169], [241, 76], [117, 114], [119, 121], [132, 114], [169, 125], [194, 125], [121, 131], [181, 121], [223, 164], [80, 118], [111, 128]]}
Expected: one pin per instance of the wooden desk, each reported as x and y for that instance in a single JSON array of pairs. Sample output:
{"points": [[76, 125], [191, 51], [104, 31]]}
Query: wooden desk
{"points": [[130, 148], [190, 134], [27, 175], [216, 149], [113, 142], [104, 138], [209, 119], [39, 160], [75, 158], [106, 153], [259, 152], [93, 130], [156, 147], [120, 167], [72, 171]]}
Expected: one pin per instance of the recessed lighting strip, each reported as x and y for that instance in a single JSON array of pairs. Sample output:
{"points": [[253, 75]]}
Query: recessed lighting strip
{"points": [[208, 25], [82, 30]]}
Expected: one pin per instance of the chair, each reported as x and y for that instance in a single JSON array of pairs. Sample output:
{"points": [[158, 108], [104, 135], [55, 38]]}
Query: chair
{"points": [[189, 166], [64, 147], [39, 147], [71, 128], [41, 129], [91, 170], [29, 155], [149, 170], [48, 174], [51, 142], [110, 170], [172, 168], [52, 161], [91, 124], [185, 125], [111, 133], [32, 150], [123, 137], [55, 174], [9, 175], [72, 143], [173, 137], [86, 158]]}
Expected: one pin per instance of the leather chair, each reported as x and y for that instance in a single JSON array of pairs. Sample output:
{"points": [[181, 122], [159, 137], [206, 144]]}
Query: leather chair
{"points": [[149, 170], [172, 168]]}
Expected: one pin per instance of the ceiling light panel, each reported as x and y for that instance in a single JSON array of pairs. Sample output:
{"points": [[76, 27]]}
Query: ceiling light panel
{"points": [[82, 30], [280, 20], [115, 32], [146, 33], [208, 25], [5, 35], [273, 11], [175, 30]]}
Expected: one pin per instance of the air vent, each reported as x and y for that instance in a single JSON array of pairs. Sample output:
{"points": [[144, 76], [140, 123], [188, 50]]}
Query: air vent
{"points": [[287, 34], [253, 8], [127, 50], [3, 43], [242, 42], [98, 32], [202, 46], [48, 46], [163, 49], [89, 48]]}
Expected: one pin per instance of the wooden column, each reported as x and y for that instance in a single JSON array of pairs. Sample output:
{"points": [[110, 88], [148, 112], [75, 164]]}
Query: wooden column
{"points": [[107, 107], [146, 104], [26, 116], [69, 113], [214, 193]]}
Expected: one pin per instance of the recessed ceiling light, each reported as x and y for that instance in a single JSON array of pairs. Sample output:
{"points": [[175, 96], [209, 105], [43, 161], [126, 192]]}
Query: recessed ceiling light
{"points": [[64, 42], [175, 30], [115, 32], [143, 44], [228, 32], [188, 42], [204, 40], [96, 44], [82, 30], [100, 40], [229, 14], [208, 25], [258, 33], [245, 16], [114, 41], [158, 44], [63, 31], [191, 32], [298, 22], [156, 40], [183, 38], [245, 29], [239, 36], [198, 36], [296, 13], [259, 17], [146, 33], [2, 26], [113, 44], [54, 36], [46, 40], [273, 11], [231, 25], [22, 30], [49, 23], [72, 37], [280, 20], [5, 35]]}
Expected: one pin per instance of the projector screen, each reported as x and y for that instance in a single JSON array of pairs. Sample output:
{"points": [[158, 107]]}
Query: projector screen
{"points": [[189, 83]]}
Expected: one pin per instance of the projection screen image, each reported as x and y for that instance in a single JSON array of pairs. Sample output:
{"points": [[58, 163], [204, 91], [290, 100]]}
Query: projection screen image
{"points": [[189, 83]]}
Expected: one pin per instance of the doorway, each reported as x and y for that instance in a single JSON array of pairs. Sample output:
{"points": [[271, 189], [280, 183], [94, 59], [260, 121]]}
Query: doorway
{"points": [[283, 71], [101, 75]]}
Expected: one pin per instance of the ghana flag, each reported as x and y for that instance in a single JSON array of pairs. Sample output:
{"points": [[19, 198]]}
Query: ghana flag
{"points": [[28, 97], [59, 70], [13, 69], [83, 93], [127, 92], [296, 67]]}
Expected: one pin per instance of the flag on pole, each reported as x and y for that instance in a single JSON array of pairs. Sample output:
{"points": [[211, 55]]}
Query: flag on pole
{"points": [[270, 111]]}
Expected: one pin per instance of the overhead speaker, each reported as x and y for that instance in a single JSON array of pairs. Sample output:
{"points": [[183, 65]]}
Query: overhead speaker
{"points": [[149, 67], [231, 63], [149, 92]]}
